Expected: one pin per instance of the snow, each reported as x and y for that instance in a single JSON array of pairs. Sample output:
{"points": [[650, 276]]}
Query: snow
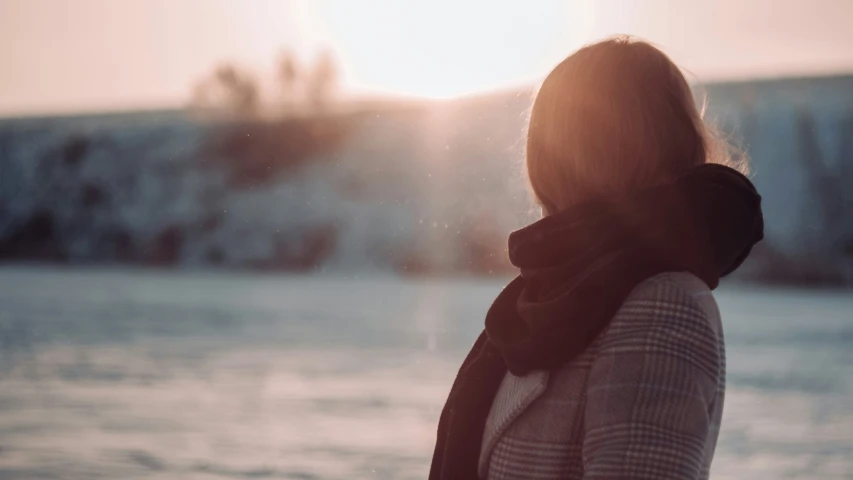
{"points": [[432, 188]]}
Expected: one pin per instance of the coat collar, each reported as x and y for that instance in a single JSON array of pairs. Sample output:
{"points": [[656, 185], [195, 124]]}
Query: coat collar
{"points": [[514, 396]]}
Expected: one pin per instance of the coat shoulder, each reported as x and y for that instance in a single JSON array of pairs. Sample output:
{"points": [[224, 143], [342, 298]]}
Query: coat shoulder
{"points": [[671, 296], [671, 282], [672, 314]]}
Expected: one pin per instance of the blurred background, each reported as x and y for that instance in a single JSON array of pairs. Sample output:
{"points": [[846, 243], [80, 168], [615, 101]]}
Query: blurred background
{"points": [[255, 238]]}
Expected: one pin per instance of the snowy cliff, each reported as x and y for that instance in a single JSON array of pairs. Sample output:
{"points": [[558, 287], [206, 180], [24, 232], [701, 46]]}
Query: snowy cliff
{"points": [[799, 136], [426, 188]]}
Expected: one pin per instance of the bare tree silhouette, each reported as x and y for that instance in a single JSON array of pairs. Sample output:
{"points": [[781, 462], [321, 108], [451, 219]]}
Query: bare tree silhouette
{"points": [[323, 80], [229, 90], [241, 88], [288, 76], [232, 90]]}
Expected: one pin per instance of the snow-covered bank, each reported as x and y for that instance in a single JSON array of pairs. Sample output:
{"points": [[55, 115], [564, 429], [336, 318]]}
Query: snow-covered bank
{"points": [[421, 189]]}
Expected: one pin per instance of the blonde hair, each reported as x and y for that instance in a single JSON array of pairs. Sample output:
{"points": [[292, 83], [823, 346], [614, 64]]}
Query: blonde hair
{"points": [[614, 117]]}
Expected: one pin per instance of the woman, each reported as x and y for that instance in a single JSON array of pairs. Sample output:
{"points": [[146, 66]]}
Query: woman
{"points": [[604, 358]]}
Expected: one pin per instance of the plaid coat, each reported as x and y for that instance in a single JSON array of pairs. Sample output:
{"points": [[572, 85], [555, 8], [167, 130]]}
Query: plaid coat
{"points": [[643, 402]]}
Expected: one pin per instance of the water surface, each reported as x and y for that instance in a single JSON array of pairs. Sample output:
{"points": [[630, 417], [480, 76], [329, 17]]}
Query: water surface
{"points": [[162, 375]]}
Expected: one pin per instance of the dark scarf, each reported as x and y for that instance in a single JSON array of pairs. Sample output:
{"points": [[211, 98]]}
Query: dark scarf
{"points": [[577, 267]]}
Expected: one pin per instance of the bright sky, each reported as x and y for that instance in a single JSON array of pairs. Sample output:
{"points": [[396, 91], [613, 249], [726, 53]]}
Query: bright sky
{"points": [[73, 55]]}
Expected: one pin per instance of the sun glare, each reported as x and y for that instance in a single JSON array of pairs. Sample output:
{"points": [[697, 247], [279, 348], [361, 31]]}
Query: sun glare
{"points": [[443, 49]]}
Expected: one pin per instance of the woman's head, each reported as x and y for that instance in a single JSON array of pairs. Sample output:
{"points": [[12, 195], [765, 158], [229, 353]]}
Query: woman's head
{"points": [[613, 117]]}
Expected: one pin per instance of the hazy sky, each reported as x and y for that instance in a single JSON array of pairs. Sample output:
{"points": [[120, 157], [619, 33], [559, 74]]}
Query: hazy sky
{"points": [[70, 55]]}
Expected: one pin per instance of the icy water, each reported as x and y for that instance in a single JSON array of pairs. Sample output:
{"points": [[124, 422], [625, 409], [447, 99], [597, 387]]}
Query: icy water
{"points": [[136, 374]]}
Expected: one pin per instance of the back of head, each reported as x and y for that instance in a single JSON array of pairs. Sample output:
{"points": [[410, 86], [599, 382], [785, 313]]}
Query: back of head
{"points": [[612, 118]]}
